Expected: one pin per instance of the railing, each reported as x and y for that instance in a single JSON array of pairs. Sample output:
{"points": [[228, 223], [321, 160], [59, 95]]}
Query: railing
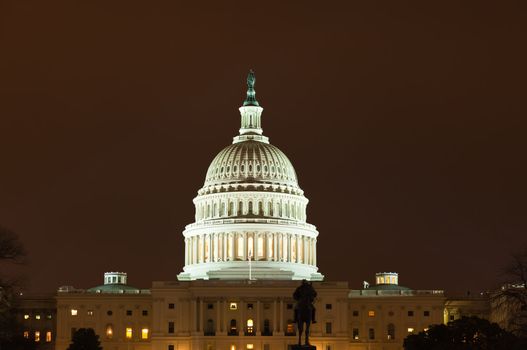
{"points": [[375, 292]]}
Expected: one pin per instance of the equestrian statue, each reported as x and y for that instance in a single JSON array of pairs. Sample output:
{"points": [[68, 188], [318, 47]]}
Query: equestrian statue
{"points": [[305, 296]]}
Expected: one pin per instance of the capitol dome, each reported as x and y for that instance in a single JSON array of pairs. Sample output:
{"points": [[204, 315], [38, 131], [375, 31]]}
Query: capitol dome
{"points": [[251, 162], [250, 220]]}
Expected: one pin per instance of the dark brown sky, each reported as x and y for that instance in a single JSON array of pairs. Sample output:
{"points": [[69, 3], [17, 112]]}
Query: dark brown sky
{"points": [[405, 123]]}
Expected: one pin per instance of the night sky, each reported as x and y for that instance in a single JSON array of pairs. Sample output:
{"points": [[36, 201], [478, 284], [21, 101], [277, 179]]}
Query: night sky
{"points": [[405, 123]]}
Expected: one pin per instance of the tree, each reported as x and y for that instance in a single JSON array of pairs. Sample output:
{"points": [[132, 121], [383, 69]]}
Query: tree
{"points": [[85, 339], [11, 251], [467, 333], [509, 303]]}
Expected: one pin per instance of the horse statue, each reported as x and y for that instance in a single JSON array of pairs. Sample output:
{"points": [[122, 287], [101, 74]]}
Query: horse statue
{"points": [[304, 295]]}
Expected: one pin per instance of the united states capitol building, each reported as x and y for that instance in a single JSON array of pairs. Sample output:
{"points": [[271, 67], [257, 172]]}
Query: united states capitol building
{"points": [[245, 253]]}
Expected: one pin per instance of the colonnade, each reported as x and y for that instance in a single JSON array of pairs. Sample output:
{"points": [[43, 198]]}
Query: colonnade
{"points": [[239, 246], [223, 207]]}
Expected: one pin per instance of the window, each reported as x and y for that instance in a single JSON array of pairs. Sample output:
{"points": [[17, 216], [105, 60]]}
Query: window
{"points": [[410, 330], [129, 333], [37, 336], [171, 305], [89, 312], [210, 306], [426, 313], [410, 313], [289, 306], [266, 347], [371, 313], [48, 337], [26, 334], [37, 317], [144, 333], [73, 312], [355, 334], [250, 326], [266, 306], [371, 333], [233, 347], [249, 306], [328, 328], [451, 318], [391, 331], [233, 329], [48, 317], [171, 327], [26, 317], [290, 330], [355, 313], [128, 312], [250, 346], [109, 312], [266, 327], [233, 306], [145, 312], [109, 331], [329, 306], [390, 313], [170, 347], [328, 347]]}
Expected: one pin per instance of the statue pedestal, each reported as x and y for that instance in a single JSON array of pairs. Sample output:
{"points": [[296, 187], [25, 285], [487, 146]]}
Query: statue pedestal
{"points": [[303, 347]]}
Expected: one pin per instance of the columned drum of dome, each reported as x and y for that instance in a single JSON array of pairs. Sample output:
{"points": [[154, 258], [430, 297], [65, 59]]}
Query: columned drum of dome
{"points": [[250, 213]]}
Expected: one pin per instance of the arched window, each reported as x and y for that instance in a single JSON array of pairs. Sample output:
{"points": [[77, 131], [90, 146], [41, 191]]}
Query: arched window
{"points": [[231, 208], [240, 208], [250, 208], [391, 331], [290, 330], [270, 209]]}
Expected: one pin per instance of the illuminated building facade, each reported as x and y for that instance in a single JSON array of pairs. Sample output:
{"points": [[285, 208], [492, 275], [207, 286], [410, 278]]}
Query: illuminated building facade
{"points": [[245, 253]]}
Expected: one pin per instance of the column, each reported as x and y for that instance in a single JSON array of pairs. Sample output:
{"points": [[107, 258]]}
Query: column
{"points": [[224, 237], [200, 328], [193, 315], [186, 251], [257, 322], [306, 250], [315, 251], [195, 249], [202, 243], [281, 313], [217, 326], [268, 242], [255, 242], [297, 241], [275, 320], [275, 249], [209, 248]]}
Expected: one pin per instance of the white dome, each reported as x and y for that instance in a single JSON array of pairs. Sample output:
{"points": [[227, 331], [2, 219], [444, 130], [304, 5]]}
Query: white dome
{"points": [[251, 162]]}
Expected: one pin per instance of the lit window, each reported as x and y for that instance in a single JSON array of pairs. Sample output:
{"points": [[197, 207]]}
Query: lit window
{"points": [[426, 329], [371, 313], [90, 312], [48, 337], [410, 330], [290, 327], [73, 312], [26, 334], [233, 306], [233, 347], [26, 317], [37, 336], [37, 317], [109, 331], [250, 326], [48, 317], [128, 333], [144, 333], [250, 346]]}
